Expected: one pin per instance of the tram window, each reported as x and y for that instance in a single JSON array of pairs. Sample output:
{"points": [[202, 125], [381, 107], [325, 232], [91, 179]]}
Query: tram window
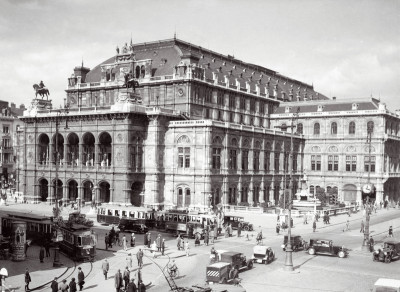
{"points": [[109, 212], [132, 214], [116, 213], [79, 241], [176, 218], [124, 214]]}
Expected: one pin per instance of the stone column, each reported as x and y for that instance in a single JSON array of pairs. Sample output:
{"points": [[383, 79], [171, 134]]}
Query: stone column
{"points": [[359, 194], [96, 160], [65, 194], [36, 193], [50, 155], [80, 155], [66, 158], [261, 192], [96, 194], [250, 198], [51, 197], [80, 195], [271, 193]]}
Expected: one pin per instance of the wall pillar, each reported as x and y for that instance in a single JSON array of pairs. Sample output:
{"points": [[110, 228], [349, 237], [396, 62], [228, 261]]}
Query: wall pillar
{"points": [[80, 195], [66, 158], [65, 194], [80, 154], [96, 159], [271, 193]]}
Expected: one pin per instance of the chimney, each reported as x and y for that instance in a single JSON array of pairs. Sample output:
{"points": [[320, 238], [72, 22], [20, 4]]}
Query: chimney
{"points": [[334, 98]]}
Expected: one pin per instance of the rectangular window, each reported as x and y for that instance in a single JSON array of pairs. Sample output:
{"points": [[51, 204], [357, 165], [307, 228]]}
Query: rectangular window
{"points": [[207, 113], [261, 107], [242, 103], [232, 102], [333, 163], [232, 159], [245, 159], [231, 117], [276, 163], [351, 163], [316, 162], [6, 130], [294, 162], [220, 116], [367, 163], [256, 161], [183, 157], [266, 161], [216, 158]]}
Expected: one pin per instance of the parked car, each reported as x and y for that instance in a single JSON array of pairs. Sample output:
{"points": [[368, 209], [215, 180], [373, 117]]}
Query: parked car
{"points": [[132, 226], [236, 259], [234, 221], [296, 241], [263, 254], [385, 285], [326, 247], [389, 252]]}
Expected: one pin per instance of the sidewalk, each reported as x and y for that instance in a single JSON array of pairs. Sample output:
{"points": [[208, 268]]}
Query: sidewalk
{"points": [[16, 270]]}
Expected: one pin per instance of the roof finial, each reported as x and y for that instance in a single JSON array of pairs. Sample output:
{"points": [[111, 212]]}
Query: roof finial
{"points": [[131, 40], [82, 61]]}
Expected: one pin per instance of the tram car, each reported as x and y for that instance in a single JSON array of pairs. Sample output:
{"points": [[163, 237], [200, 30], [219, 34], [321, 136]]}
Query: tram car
{"points": [[113, 214], [79, 243]]}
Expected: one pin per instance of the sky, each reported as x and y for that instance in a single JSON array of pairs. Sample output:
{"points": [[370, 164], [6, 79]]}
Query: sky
{"points": [[347, 49]]}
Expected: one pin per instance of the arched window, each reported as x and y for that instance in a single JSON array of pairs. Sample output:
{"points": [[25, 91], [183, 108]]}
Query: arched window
{"points": [[180, 198], [137, 72], [333, 128], [142, 72], [352, 128], [300, 128], [283, 128], [187, 198], [370, 127], [316, 129]]}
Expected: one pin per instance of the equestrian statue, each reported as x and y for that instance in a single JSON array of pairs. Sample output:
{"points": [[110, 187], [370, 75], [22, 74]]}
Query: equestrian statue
{"points": [[41, 90], [130, 82]]}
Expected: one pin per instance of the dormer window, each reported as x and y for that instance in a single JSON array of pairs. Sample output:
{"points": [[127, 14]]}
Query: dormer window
{"points": [[163, 61], [320, 108], [354, 106], [288, 109]]}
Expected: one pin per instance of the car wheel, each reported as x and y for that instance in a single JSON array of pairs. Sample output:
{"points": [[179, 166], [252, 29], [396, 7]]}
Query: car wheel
{"points": [[374, 258], [250, 265], [341, 254], [311, 251], [295, 248], [388, 259], [246, 228]]}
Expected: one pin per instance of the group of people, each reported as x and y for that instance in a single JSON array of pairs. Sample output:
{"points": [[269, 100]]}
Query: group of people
{"points": [[71, 286], [183, 244]]}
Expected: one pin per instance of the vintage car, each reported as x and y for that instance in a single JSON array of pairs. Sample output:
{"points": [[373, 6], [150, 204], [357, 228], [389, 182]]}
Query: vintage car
{"points": [[389, 252], [296, 241], [263, 254], [218, 273], [236, 259], [326, 247], [132, 225], [234, 221]]}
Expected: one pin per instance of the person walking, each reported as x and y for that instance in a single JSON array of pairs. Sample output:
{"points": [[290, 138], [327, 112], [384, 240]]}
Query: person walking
{"points": [[47, 248], [277, 228], [64, 286], [347, 227], [118, 281], [371, 244], [314, 225], [132, 286], [362, 226], [239, 229], [163, 246], [54, 285], [212, 235], [304, 218], [41, 254], [27, 279], [187, 248], [126, 277], [139, 257], [139, 276], [149, 240], [105, 266], [106, 241], [111, 237], [81, 278], [124, 242], [133, 240], [153, 248], [72, 285], [206, 238], [142, 287], [179, 242], [390, 231], [158, 242], [129, 261]]}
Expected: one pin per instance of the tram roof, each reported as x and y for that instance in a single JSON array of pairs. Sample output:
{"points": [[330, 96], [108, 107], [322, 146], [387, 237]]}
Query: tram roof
{"points": [[26, 216], [126, 208]]}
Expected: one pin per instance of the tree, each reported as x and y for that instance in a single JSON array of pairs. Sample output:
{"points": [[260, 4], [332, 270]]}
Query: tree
{"points": [[285, 200], [322, 196]]}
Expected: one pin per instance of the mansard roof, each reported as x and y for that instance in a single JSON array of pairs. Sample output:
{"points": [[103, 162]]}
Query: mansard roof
{"points": [[166, 54], [328, 106]]}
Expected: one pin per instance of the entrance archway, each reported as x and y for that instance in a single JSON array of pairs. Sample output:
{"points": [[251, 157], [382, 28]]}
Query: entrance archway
{"points": [[137, 188], [43, 189], [104, 189], [105, 149], [87, 191], [72, 190]]}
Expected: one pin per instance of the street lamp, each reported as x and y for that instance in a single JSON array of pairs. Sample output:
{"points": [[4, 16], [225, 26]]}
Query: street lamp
{"points": [[58, 235], [368, 188], [19, 131]]}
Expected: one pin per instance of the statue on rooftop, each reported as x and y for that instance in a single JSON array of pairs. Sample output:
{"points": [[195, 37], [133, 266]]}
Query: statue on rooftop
{"points": [[125, 48], [41, 90], [117, 49]]}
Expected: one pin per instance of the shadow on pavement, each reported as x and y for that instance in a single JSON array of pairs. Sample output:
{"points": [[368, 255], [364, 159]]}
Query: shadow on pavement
{"points": [[298, 266], [91, 286]]}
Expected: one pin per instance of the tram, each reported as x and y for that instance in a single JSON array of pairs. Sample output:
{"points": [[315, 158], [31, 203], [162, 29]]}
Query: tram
{"points": [[113, 214], [79, 243]]}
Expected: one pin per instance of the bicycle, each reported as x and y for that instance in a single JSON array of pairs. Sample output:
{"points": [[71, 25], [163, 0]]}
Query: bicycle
{"points": [[173, 273], [117, 241]]}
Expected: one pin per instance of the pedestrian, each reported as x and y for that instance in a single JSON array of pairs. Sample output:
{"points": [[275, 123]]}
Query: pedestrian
{"points": [[139, 276], [41, 254], [129, 261], [239, 229], [216, 233], [72, 285], [349, 213], [118, 281], [278, 228], [27, 279], [139, 257], [64, 286], [197, 238], [142, 287], [47, 248], [314, 226], [371, 244], [206, 238], [304, 218], [26, 245], [149, 240], [153, 248], [126, 277], [212, 235], [124, 242], [81, 278], [390, 231], [362, 226], [132, 286], [133, 240], [54, 285], [111, 237], [187, 248], [105, 266], [163, 246], [106, 241], [328, 219], [179, 242], [158, 242], [347, 227]]}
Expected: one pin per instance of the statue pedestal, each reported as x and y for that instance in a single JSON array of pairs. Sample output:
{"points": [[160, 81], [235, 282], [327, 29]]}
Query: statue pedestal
{"points": [[37, 105], [127, 100]]}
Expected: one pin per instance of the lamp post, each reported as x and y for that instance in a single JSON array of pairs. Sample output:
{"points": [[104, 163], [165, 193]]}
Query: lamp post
{"points": [[368, 189], [19, 131], [58, 235]]}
